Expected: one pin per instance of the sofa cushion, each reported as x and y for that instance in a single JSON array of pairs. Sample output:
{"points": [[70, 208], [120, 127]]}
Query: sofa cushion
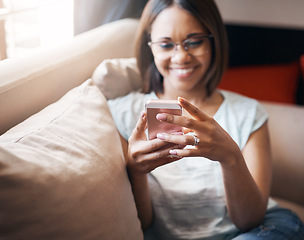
{"points": [[287, 136], [117, 77], [273, 82], [62, 174]]}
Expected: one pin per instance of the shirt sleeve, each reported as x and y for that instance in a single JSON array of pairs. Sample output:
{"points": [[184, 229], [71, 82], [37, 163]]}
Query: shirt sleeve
{"points": [[261, 117], [126, 111], [255, 116], [240, 116]]}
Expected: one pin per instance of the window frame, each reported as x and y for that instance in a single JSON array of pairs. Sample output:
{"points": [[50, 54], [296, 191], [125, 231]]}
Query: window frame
{"points": [[3, 12], [10, 44]]}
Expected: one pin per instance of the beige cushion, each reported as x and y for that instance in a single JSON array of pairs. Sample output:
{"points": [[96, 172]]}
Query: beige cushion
{"points": [[62, 174], [117, 77], [287, 138]]}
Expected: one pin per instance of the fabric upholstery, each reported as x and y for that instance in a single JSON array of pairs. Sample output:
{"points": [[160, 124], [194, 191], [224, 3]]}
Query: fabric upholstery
{"points": [[63, 175], [272, 82], [117, 77]]}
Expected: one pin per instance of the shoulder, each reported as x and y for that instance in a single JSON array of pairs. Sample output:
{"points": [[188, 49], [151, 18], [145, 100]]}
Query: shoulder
{"points": [[243, 105], [241, 116], [132, 103], [132, 99], [236, 99]]}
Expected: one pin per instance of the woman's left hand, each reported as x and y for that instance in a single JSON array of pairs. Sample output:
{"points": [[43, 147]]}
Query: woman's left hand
{"points": [[210, 139]]}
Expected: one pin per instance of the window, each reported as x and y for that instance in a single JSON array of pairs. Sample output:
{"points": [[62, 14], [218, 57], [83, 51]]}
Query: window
{"points": [[26, 25]]}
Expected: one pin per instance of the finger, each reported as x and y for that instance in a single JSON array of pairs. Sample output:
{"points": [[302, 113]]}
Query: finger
{"points": [[155, 159], [181, 140], [160, 154], [184, 152], [193, 110], [187, 130], [143, 150], [149, 166], [167, 159], [141, 125], [154, 145], [186, 122]]}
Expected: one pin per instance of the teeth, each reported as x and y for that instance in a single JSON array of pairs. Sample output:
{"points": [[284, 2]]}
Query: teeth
{"points": [[183, 71]]}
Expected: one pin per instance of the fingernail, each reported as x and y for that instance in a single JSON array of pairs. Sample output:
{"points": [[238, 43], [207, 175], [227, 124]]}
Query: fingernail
{"points": [[173, 152], [181, 100], [142, 115], [161, 117], [161, 136]]}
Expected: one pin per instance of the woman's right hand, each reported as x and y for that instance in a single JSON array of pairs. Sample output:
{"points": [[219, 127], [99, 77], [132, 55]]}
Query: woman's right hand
{"points": [[146, 155]]}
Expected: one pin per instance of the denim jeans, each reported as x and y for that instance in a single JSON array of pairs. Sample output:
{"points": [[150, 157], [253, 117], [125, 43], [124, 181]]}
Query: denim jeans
{"points": [[279, 224]]}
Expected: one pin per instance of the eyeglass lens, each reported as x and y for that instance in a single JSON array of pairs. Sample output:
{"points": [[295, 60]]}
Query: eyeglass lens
{"points": [[196, 46]]}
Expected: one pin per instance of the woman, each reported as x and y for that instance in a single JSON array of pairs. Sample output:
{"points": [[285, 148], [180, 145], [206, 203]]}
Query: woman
{"points": [[219, 187]]}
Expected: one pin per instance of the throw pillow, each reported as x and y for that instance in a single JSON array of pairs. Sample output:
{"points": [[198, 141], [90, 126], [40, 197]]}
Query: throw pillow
{"points": [[302, 65], [117, 77], [275, 83], [63, 176]]}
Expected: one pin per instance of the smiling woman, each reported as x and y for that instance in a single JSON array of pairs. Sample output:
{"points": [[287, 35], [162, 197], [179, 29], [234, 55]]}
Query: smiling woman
{"points": [[213, 181], [28, 25]]}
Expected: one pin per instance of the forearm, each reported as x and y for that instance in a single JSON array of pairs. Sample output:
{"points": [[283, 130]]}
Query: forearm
{"points": [[140, 189], [141, 194], [245, 202]]}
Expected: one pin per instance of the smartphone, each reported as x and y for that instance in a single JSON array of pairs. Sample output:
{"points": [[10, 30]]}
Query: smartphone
{"points": [[153, 107]]}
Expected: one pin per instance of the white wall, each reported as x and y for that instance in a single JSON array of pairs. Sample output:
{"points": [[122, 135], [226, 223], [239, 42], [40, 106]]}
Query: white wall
{"points": [[89, 14], [273, 13]]}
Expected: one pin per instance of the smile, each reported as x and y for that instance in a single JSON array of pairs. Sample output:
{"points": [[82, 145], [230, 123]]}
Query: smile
{"points": [[182, 71]]}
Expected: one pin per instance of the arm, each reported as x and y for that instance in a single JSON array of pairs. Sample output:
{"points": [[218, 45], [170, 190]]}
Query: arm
{"points": [[247, 180], [142, 157], [140, 189], [246, 175]]}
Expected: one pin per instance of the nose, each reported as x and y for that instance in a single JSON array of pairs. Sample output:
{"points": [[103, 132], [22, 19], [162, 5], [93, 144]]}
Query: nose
{"points": [[180, 54]]}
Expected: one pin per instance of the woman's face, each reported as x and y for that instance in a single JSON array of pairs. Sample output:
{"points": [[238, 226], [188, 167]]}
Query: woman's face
{"points": [[181, 70]]}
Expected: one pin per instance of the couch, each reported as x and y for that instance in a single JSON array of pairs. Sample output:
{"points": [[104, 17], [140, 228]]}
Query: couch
{"points": [[62, 172]]}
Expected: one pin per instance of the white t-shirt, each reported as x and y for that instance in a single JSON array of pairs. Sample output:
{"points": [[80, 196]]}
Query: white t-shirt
{"points": [[188, 195]]}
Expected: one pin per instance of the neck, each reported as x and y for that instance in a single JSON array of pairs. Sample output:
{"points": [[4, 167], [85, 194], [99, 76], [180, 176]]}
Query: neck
{"points": [[196, 96], [199, 98]]}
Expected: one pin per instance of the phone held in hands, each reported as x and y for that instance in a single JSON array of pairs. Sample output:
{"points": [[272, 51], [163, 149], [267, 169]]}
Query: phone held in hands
{"points": [[153, 107]]}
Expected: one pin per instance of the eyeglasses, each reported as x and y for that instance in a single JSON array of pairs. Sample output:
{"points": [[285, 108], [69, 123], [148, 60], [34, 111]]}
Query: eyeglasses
{"points": [[197, 45]]}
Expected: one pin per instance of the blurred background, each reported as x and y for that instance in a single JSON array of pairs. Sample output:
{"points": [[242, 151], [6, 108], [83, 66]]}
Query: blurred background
{"points": [[26, 25]]}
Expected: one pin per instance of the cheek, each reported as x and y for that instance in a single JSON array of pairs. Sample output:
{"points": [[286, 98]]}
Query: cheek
{"points": [[206, 62], [161, 66]]}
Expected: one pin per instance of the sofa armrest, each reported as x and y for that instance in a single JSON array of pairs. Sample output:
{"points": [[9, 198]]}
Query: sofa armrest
{"points": [[29, 84], [287, 138]]}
